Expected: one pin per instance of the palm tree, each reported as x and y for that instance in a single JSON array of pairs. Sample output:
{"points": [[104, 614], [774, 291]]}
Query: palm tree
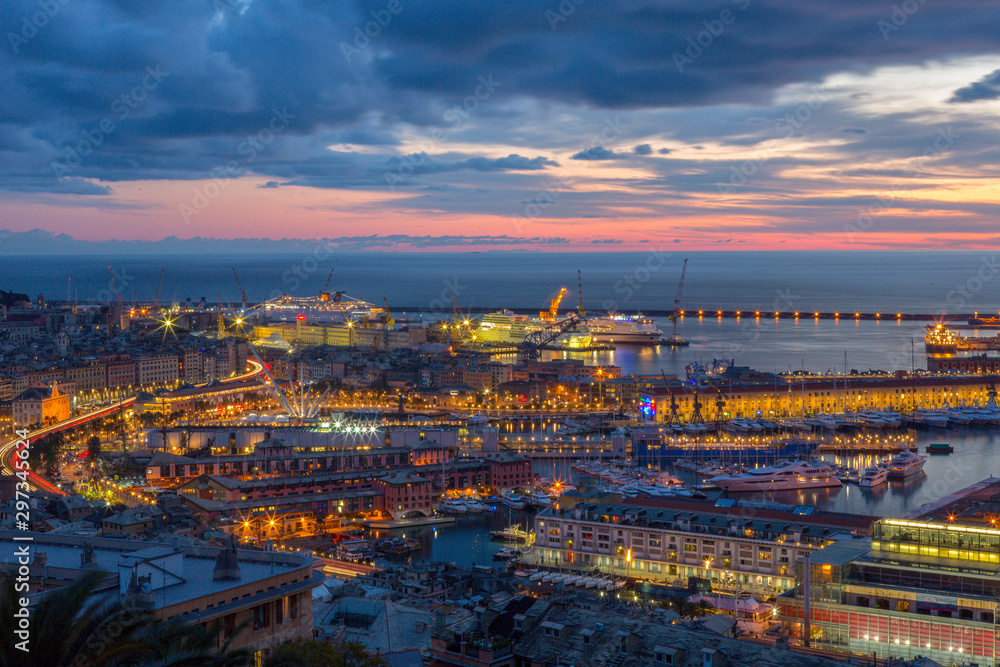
{"points": [[77, 626]]}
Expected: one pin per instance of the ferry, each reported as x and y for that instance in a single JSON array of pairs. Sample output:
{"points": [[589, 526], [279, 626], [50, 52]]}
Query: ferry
{"points": [[624, 329], [791, 475], [874, 476], [906, 464], [506, 327]]}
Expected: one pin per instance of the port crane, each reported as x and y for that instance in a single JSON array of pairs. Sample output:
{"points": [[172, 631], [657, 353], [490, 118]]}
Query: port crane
{"points": [[553, 310], [390, 322], [243, 295], [674, 338], [673, 417], [530, 349], [323, 294]]}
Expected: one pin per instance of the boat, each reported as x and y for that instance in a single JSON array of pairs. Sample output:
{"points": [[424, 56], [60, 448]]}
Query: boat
{"points": [[539, 499], [537, 576], [940, 340], [506, 553], [874, 476], [906, 464], [397, 546], [939, 448], [526, 574], [624, 329], [513, 501], [791, 475], [355, 550], [512, 533], [453, 506]]}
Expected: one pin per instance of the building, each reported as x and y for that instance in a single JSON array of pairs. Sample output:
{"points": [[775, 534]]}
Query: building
{"points": [[157, 369], [39, 405], [736, 546], [260, 598], [813, 395], [528, 632], [405, 494], [926, 584]]}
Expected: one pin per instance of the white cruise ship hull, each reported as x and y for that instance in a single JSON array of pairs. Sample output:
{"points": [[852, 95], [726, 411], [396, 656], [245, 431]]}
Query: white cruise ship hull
{"points": [[626, 338]]}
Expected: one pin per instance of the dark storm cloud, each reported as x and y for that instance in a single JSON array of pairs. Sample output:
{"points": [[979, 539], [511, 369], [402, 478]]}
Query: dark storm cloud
{"points": [[444, 69], [987, 88]]}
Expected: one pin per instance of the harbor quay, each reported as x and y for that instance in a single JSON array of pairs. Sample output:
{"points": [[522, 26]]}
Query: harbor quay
{"points": [[923, 584], [734, 546], [810, 395]]}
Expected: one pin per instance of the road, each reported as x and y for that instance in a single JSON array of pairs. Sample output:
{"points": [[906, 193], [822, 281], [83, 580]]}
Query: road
{"points": [[9, 449]]}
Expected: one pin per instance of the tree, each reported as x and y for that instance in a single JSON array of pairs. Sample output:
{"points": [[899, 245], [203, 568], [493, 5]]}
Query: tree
{"points": [[72, 627], [93, 449], [320, 653]]}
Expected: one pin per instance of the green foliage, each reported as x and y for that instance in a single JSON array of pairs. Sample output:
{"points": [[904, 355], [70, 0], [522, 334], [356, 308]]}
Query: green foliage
{"points": [[319, 653], [93, 448]]}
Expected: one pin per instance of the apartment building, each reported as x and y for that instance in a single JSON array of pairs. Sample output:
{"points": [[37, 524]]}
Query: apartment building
{"points": [[737, 546], [926, 584]]}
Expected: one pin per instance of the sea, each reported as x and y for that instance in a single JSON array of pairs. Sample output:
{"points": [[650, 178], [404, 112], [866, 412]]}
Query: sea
{"points": [[938, 282]]}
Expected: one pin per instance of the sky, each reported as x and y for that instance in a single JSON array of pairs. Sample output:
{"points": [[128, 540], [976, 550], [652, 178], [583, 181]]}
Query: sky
{"points": [[537, 124]]}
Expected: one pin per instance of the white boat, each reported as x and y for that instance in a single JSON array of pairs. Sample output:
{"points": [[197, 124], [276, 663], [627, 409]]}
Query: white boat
{"points": [[513, 501], [874, 476], [453, 506], [526, 574], [792, 475], [537, 576], [906, 464], [473, 506], [624, 330]]}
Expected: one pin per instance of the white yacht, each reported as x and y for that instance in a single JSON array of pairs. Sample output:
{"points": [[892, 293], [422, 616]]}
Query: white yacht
{"points": [[875, 476], [792, 475], [905, 464]]}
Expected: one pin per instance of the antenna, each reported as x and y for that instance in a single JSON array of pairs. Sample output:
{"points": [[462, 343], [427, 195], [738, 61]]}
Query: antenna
{"points": [[579, 290]]}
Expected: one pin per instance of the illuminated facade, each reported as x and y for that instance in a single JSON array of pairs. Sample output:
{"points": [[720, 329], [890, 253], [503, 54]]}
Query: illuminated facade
{"points": [[918, 587]]}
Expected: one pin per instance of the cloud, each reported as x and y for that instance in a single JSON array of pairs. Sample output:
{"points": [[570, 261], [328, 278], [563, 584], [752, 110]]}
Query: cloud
{"points": [[987, 88], [269, 184], [606, 241], [664, 151], [595, 153], [642, 149]]}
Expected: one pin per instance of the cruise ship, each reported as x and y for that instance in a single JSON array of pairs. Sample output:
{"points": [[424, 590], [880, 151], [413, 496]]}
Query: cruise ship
{"points": [[624, 330], [325, 308], [792, 475], [906, 464]]}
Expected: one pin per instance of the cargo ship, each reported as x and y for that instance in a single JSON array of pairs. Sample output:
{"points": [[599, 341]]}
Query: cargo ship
{"points": [[942, 340], [624, 330]]}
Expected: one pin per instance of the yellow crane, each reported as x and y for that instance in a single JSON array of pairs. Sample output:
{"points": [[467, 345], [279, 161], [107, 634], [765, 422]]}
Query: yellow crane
{"points": [[553, 310], [390, 322]]}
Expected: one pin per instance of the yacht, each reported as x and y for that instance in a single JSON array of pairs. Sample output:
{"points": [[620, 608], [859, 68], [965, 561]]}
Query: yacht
{"points": [[507, 553], [513, 501], [453, 506], [791, 475], [512, 534], [905, 464], [874, 476]]}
